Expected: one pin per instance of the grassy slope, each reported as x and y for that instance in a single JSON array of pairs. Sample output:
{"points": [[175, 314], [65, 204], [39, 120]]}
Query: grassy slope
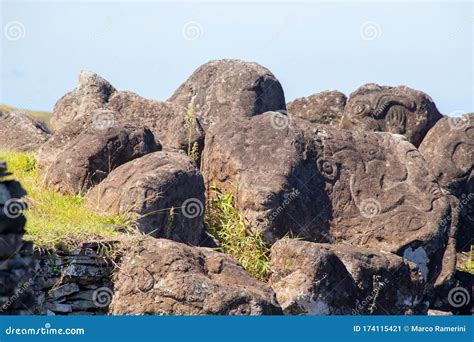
{"points": [[41, 116], [55, 220]]}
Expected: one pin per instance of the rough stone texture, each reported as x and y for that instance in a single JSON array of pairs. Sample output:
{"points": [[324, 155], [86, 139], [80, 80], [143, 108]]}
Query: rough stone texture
{"points": [[19, 132], [324, 184], [89, 157], [399, 110], [448, 149], [321, 279], [162, 277], [92, 93], [325, 108], [16, 295], [228, 88], [95, 103], [164, 191], [76, 282]]}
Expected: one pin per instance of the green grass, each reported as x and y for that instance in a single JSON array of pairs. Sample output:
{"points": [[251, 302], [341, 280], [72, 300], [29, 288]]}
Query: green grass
{"points": [[231, 230], [38, 115], [55, 220]]}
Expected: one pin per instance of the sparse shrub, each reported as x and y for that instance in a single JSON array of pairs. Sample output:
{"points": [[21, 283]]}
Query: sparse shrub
{"points": [[190, 124], [231, 230]]}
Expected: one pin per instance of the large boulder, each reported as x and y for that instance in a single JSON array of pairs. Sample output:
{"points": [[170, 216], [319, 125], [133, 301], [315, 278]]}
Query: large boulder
{"points": [[324, 184], [448, 149], [321, 279], [399, 110], [19, 132], [96, 103], [228, 88], [88, 158], [163, 191], [162, 277], [325, 108]]}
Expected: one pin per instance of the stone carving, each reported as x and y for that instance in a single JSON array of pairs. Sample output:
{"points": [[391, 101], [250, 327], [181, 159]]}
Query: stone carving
{"points": [[449, 151], [366, 188], [162, 277], [321, 279], [398, 110]]}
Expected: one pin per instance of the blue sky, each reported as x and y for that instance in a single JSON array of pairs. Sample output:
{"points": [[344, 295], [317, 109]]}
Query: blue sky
{"points": [[152, 47]]}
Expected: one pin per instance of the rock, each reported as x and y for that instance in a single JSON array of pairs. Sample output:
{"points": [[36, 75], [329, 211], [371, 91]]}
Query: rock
{"points": [[19, 132], [96, 104], [448, 149], [325, 108], [162, 277], [228, 88], [321, 279], [323, 184], [163, 191], [166, 120], [432, 312], [398, 110], [92, 93], [58, 307], [63, 290], [88, 158]]}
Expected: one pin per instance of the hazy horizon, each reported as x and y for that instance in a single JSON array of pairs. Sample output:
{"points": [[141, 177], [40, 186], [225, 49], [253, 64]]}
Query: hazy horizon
{"points": [[150, 48]]}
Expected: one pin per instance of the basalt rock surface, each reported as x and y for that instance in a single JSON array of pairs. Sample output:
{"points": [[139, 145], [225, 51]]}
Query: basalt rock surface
{"points": [[225, 89], [164, 191], [325, 108], [19, 132], [398, 110], [162, 277], [324, 184], [448, 149]]}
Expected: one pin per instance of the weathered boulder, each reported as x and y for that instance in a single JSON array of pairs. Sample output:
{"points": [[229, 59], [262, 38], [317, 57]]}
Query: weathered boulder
{"points": [[89, 157], [162, 277], [228, 88], [95, 103], [448, 149], [321, 279], [163, 191], [325, 108], [399, 110], [19, 132], [325, 184], [92, 93], [166, 120]]}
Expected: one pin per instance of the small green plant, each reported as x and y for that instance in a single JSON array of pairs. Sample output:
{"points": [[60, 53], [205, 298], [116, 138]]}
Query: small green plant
{"points": [[190, 124], [54, 219], [376, 288], [229, 227]]}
